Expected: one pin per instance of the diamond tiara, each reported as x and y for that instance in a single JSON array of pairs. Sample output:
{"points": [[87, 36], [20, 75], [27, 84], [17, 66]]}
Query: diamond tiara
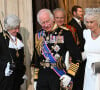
{"points": [[92, 10]]}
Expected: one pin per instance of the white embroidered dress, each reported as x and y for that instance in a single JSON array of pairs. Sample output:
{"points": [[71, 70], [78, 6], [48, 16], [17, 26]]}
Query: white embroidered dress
{"points": [[92, 50]]}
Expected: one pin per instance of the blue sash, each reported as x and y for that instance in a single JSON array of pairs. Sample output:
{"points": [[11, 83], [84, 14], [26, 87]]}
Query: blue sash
{"points": [[47, 55]]}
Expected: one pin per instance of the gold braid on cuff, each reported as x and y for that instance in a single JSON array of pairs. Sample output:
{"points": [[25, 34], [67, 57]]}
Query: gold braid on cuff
{"points": [[73, 69]]}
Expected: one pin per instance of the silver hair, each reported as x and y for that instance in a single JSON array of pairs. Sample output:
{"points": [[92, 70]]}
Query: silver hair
{"points": [[93, 13], [59, 9], [43, 11], [11, 22]]}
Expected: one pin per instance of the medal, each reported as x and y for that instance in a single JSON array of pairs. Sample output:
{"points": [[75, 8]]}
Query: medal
{"points": [[60, 32], [47, 38], [57, 56], [55, 32], [60, 39], [56, 48]]}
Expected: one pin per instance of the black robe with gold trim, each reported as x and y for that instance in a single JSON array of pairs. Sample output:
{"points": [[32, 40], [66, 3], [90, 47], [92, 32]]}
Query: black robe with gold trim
{"points": [[14, 81]]}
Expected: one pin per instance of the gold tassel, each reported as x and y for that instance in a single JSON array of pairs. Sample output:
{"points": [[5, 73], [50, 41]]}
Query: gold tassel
{"points": [[36, 70]]}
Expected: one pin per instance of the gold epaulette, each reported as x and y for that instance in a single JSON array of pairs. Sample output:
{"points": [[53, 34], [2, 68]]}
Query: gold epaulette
{"points": [[73, 69], [38, 43], [54, 27], [65, 28]]}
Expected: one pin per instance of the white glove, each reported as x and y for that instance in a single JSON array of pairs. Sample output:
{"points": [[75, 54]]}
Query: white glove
{"points": [[67, 60], [83, 56], [35, 84], [8, 71], [25, 77], [65, 80]]}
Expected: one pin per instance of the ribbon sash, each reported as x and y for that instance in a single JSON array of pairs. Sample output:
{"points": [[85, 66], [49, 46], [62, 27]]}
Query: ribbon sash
{"points": [[48, 55]]}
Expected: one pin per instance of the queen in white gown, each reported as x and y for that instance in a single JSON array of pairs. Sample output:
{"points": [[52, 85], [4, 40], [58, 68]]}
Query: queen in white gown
{"points": [[92, 50]]}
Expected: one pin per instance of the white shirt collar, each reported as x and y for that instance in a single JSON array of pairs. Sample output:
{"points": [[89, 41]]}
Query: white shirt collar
{"points": [[12, 44], [77, 20]]}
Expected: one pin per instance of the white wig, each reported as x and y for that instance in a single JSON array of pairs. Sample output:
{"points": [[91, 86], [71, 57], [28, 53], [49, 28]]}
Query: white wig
{"points": [[11, 22]]}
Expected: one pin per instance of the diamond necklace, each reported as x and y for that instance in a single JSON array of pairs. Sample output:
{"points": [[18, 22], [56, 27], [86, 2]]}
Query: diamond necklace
{"points": [[94, 35]]}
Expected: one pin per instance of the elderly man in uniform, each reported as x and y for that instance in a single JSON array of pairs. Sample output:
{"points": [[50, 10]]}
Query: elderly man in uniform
{"points": [[60, 20], [51, 44]]}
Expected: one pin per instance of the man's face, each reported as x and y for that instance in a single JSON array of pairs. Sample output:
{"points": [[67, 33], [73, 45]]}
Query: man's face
{"points": [[59, 18], [14, 32], [46, 21], [79, 13]]}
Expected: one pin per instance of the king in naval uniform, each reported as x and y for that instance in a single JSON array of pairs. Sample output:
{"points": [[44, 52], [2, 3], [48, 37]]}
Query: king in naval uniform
{"points": [[51, 44]]}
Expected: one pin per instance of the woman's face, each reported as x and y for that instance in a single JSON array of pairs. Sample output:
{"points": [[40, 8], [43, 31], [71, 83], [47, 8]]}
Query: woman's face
{"points": [[91, 24], [14, 31]]}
